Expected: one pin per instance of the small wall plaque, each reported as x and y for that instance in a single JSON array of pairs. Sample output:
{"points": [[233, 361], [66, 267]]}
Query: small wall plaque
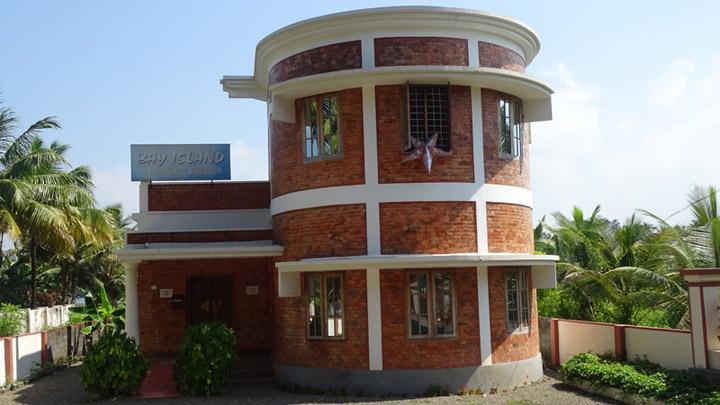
{"points": [[252, 290], [166, 293]]}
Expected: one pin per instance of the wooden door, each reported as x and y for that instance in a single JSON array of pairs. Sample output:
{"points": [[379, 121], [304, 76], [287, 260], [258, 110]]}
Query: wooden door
{"points": [[209, 300]]}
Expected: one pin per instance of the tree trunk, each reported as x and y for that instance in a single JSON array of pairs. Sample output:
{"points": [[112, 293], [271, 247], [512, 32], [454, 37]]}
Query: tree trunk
{"points": [[33, 274]]}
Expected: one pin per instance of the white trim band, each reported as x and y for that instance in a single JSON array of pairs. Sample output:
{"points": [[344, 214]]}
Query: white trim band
{"points": [[401, 192]]}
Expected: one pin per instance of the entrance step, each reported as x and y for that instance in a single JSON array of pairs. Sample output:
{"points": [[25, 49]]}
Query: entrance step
{"points": [[253, 367]]}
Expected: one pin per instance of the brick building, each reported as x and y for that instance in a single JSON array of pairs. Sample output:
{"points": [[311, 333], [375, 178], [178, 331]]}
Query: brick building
{"points": [[354, 266]]}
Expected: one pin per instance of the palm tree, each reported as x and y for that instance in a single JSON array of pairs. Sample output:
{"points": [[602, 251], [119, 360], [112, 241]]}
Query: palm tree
{"points": [[44, 203], [705, 234]]}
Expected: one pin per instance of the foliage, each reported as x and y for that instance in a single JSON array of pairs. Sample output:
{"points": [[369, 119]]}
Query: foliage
{"points": [[113, 366], [63, 243], [641, 377], [101, 316], [12, 319], [205, 360]]}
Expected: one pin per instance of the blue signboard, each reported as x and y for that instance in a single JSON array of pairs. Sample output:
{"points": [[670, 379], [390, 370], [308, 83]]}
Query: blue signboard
{"points": [[180, 162]]}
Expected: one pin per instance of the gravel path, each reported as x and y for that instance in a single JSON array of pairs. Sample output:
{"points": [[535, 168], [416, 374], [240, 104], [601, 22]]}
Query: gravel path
{"points": [[64, 387]]}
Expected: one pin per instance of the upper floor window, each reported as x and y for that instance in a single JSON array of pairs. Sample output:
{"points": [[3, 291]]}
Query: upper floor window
{"points": [[511, 128], [325, 306], [432, 304], [428, 113], [517, 301], [321, 127]]}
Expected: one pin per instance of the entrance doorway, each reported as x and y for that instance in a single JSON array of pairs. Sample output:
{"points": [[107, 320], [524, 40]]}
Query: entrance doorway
{"points": [[209, 300]]}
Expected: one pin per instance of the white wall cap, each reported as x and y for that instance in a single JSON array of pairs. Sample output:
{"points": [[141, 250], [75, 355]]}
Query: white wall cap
{"points": [[211, 250]]}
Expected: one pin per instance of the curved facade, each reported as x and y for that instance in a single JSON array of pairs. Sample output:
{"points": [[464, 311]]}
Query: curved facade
{"points": [[391, 275], [455, 71]]}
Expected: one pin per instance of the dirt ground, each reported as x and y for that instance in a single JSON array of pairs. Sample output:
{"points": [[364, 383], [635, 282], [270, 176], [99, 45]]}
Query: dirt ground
{"points": [[64, 387]]}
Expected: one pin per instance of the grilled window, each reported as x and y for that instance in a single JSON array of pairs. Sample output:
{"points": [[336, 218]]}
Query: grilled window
{"points": [[325, 306], [428, 113], [432, 304], [510, 124], [321, 128], [517, 301]]}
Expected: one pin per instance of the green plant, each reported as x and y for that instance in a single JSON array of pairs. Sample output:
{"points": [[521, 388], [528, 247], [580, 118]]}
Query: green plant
{"points": [[101, 317], [205, 360], [113, 366], [11, 320], [641, 377]]}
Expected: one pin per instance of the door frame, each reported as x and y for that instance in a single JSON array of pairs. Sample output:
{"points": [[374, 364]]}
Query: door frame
{"points": [[189, 297]]}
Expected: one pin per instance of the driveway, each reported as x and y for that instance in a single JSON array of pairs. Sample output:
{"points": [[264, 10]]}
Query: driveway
{"points": [[64, 388]]}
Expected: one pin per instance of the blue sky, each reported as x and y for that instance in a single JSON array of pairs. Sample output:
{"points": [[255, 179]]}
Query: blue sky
{"points": [[637, 105]]}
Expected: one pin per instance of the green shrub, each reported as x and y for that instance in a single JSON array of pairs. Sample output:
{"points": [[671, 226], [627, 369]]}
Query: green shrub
{"points": [[641, 377], [12, 319], [205, 361], [113, 366]]}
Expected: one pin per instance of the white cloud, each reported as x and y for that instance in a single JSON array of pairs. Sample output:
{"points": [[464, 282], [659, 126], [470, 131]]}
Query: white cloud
{"points": [[638, 155], [249, 162], [113, 186]]}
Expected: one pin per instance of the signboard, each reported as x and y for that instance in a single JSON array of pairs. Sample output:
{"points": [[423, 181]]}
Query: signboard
{"points": [[180, 162]]}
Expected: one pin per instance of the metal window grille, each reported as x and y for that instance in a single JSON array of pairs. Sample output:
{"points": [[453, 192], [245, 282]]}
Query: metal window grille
{"points": [[517, 301], [429, 114]]}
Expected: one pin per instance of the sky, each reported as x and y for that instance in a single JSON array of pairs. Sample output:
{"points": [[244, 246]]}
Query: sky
{"points": [[636, 105]]}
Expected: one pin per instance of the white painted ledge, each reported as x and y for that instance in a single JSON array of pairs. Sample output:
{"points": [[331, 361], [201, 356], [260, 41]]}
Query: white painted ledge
{"points": [[211, 250], [198, 221]]}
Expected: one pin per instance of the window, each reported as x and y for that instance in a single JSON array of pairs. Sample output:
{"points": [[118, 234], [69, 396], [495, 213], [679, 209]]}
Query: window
{"points": [[517, 301], [511, 128], [321, 128], [325, 306], [432, 304], [428, 113]]}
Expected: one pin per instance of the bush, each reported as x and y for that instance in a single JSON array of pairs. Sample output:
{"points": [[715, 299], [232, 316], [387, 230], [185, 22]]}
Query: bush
{"points": [[641, 377], [113, 366], [205, 361], [12, 320]]}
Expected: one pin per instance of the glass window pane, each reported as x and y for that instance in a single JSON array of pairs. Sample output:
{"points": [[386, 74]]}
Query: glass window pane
{"points": [[315, 306], [444, 316], [311, 129], [428, 114], [333, 289], [505, 127], [331, 134], [419, 320]]}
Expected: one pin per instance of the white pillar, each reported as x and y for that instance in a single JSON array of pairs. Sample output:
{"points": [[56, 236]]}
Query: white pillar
{"points": [[374, 320], [144, 189], [132, 322], [699, 346], [372, 207], [484, 315]]}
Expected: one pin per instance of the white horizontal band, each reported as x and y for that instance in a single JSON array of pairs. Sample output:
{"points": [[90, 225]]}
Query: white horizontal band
{"points": [[400, 192]]}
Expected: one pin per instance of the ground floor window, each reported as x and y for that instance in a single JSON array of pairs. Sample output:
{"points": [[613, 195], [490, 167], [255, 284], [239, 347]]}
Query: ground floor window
{"points": [[431, 307], [517, 301], [325, 305]]}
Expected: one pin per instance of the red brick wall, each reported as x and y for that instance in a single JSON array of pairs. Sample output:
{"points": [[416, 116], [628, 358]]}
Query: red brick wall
{"points": [[209, 236], [496, 56], [328, 58], [510, 228], [337, 230], [291, 173], [512, 172], [408, 51], [208, 196], [428, 227], [162, 328], [390, 119], [293, 346], [401, 352], [507, 348]]}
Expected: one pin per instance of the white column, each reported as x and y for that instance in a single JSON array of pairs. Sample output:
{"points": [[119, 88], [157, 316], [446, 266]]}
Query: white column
{"points": [[132, 322], [484, 315], [375, 359], [144, 196], [478, 163], [368, 53], [372, 208]]}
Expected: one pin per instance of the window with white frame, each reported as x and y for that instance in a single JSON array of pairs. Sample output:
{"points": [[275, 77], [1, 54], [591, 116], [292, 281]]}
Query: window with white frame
{"points": [[510, 124], [428, 113], [325, 306], [431, 304], [517, 301], [321, 128]]}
